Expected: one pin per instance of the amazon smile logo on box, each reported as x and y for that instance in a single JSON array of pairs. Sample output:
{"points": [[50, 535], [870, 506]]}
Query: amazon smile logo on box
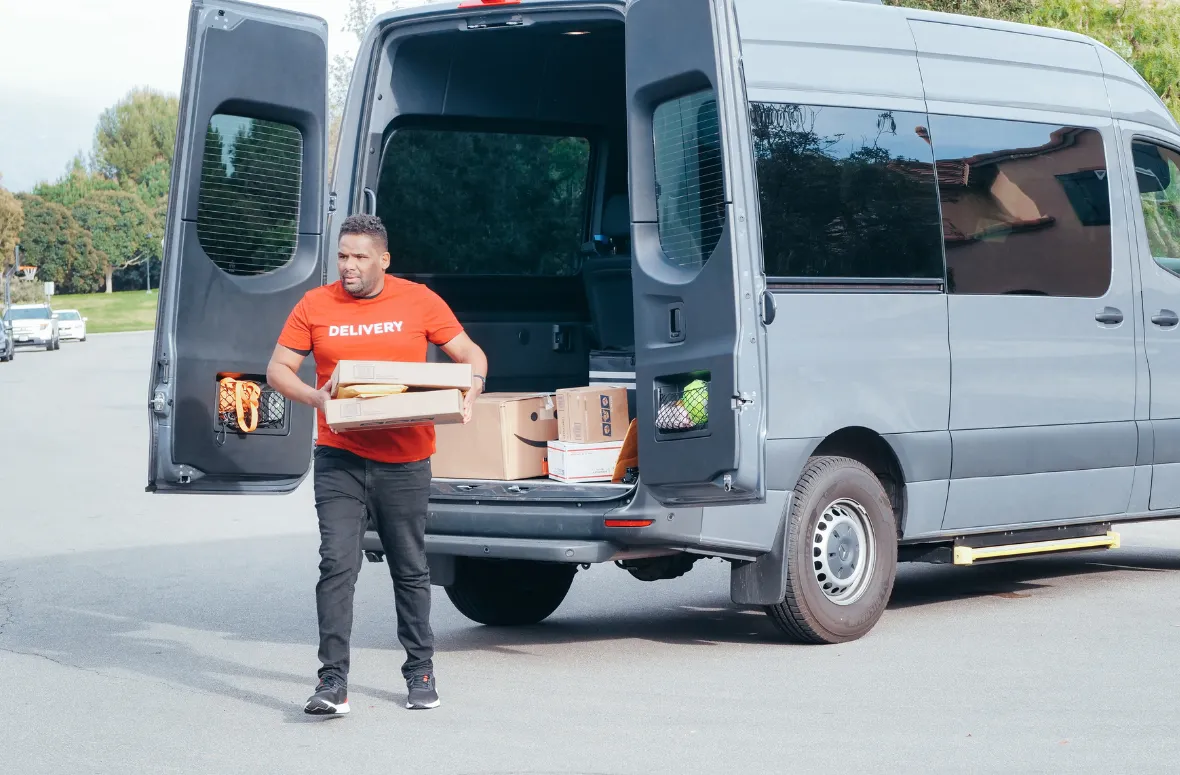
{"points": [[367, 329]]}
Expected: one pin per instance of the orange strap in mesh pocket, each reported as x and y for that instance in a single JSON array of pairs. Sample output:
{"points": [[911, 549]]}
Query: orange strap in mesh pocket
{"points": [[241, 396]]}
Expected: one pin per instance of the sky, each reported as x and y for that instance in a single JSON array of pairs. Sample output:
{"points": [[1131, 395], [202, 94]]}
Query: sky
{"points": [[62, 62]]}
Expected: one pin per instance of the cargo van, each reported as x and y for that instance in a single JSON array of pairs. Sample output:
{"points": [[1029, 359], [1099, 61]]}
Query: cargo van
{"points": [[926, 267]]}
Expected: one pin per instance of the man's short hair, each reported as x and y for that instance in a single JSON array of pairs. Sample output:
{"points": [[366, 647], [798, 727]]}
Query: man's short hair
{"points": [[369, 225]]}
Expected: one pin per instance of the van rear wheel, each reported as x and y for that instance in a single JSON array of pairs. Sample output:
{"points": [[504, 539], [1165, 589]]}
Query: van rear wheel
{"points": [[507, 593], [841, 553]]}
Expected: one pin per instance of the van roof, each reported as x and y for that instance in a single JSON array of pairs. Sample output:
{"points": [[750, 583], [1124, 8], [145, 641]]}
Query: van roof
{"points": [[878, 54]]}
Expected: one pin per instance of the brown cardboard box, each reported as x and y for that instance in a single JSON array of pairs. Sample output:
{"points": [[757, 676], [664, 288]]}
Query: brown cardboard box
{"points": [[436, 376], [419, 407], [591, 414], [507, 439]]}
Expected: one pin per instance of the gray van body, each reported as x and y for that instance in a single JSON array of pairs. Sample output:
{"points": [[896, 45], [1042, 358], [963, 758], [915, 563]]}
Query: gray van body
{"points": [[981, 413]]}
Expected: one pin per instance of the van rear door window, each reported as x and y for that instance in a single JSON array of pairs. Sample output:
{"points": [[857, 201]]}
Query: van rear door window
{"points": [[471, 202]]}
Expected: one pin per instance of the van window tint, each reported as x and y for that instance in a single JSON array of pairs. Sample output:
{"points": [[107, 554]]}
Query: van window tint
{"points": [[1025, 207], [1157, 171], [846, 193], [248, 205], [690, 186], [483, 202]]}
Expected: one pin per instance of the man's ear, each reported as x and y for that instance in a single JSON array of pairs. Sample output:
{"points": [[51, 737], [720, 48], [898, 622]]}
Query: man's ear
{"points": [[385, 260]]}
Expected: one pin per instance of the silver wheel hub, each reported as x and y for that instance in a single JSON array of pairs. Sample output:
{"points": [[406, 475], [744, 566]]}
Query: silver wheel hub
{"points": [[843, 551]]}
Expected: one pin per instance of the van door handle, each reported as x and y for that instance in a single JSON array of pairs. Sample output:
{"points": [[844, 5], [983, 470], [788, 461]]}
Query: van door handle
{"points": [[370, 202], [1109, 316], [676, 322], [1165, 318]]}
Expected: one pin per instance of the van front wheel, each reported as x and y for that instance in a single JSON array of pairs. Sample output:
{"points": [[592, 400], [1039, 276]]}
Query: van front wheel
{"points": [[841, 553], [509, 593]]}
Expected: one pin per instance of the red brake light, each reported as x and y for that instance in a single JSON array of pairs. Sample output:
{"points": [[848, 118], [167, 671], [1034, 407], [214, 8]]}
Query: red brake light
{"points": [[628, 522], [481, 3]]}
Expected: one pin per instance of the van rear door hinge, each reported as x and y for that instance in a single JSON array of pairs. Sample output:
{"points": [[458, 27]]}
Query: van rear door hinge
{"points": [[332, 202]]}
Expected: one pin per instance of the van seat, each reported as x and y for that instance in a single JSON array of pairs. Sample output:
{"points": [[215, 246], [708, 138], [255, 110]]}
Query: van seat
{"points": [[607, 280]]}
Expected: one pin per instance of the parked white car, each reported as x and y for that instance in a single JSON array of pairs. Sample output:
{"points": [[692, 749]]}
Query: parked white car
{"points": [[34, 325], [71, 324]]}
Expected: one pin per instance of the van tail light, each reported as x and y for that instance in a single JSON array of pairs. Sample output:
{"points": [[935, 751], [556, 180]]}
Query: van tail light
{"points": [[484, 3], [628, 522]]}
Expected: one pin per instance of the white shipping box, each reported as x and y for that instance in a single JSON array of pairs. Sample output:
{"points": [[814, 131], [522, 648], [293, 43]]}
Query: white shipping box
{"points": [[576, 463]]}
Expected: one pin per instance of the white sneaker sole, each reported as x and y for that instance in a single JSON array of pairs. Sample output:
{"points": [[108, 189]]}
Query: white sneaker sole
{"points": [[326, 709], [427, 706]]}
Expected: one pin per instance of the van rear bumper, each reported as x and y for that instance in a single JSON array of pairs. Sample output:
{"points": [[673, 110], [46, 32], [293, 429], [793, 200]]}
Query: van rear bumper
{"points": [[535, 549]]}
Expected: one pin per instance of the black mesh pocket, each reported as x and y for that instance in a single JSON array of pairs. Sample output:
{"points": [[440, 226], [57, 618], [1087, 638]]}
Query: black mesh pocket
{"points": [[682, 409], [272, 408]]}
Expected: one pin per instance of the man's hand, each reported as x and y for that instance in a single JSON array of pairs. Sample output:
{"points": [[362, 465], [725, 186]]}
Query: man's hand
{"points": [[321, 397], [469, 400]]}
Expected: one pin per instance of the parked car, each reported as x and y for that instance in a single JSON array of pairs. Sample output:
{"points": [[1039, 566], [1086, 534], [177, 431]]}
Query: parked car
{"points": [[919, 267], [34, 325], [71, 324], [7, 343]]}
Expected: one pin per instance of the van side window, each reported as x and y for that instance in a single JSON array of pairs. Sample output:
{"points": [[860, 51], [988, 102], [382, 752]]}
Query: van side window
{"points": [[846, 193], [248, 205], [1025, 207], [476, 202], [690, 185], [1157, 172]]}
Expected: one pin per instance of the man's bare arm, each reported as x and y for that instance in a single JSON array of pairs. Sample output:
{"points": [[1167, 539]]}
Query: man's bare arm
{"points": [[462, 350], [282, 373]]}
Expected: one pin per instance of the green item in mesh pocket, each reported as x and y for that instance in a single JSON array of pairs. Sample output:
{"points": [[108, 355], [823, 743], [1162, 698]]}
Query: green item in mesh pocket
{"points": [[696, 401]]}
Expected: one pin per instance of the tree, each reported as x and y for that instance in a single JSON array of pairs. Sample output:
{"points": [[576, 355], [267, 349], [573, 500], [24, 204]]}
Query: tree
{"points": [[62, 251], [12, 220], [121, 227], [135, 134]]}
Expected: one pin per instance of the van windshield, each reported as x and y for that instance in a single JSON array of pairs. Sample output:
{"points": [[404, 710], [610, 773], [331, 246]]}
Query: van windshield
{"points": [[483, 202]]}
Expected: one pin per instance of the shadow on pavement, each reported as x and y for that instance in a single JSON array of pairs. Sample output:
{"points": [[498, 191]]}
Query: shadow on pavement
{"points": [[165, 613]]}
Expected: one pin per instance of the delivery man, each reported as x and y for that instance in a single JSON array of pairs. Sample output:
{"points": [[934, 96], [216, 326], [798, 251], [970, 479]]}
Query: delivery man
{"points": [[385, 472]]}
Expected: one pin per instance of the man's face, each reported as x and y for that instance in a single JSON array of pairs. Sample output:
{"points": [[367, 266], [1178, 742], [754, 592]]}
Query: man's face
{"points": [[361, 263]]}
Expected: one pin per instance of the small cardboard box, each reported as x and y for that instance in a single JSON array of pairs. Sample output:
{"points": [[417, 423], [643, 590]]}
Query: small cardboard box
{"points": [[592, 414], [422, 407], [507, 439], [435, 376], [575, 463]]}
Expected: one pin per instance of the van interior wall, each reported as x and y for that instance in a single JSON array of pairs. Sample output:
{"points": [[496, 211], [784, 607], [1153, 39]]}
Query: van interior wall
{"points": [[537, 316]]}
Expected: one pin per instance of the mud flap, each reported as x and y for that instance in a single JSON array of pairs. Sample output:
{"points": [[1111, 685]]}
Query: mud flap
{"points": [[763, 581]]}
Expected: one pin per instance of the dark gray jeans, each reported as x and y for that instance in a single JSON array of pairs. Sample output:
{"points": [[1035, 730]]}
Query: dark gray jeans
{"points": [[348, 489]]}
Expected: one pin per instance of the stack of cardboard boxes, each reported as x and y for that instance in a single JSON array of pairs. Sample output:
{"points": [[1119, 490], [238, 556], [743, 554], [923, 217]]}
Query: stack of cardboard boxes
{"points": [[574, 435]]}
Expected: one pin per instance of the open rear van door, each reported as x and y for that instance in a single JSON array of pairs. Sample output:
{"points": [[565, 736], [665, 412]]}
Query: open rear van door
{"points": [[242, 245], [698, 282]]}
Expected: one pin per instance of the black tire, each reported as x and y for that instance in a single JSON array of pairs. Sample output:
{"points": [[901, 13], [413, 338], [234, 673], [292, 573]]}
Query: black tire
{"points": [[807, 614], [508, 593]]}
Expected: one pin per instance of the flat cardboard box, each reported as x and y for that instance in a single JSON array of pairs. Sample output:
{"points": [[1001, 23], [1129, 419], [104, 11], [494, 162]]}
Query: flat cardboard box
{"points": [[507, 439], [591, 414], [577, 463], [420, 407], [435, 376]]}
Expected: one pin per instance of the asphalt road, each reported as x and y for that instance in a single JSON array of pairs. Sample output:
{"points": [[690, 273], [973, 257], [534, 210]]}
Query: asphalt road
{"points": [[175, 634]]}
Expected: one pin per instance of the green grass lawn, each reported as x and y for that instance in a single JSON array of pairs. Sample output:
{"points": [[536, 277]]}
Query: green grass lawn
{"points": [[110, 312]]}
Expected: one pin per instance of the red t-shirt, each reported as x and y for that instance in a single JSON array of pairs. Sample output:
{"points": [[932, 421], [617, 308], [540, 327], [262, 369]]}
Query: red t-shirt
{"points": [[394, 325]]}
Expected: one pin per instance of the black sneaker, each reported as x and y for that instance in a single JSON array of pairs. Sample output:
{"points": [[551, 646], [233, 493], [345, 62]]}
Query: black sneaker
{"points": [[330, 698], [422, 693]]}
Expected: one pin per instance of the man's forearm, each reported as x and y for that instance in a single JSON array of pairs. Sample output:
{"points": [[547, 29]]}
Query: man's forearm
{"points": [[283, 379]]}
